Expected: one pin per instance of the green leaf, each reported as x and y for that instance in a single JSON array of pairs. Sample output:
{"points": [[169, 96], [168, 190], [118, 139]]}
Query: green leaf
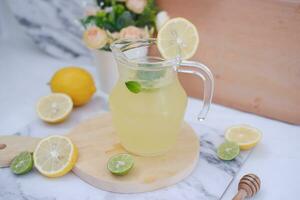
{"points": [[125, 20], [88, 20], [111, 17], [148, 16], [133, 86], [105, 3], [118, 9], [101, 14], [105, 23]]}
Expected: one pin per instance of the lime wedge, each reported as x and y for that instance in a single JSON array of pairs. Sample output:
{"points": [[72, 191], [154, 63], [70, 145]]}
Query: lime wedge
{"points": [[228, 150], [22, 163], [120, 164]]}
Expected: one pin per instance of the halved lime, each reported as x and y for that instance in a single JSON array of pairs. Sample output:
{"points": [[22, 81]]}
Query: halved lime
{"points": [[228, 150], [120, 164], [22, 163]]}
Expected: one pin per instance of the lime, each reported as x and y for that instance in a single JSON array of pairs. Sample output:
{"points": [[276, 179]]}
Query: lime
{"points": [[22, 163], [120, 164], [228, 150]]}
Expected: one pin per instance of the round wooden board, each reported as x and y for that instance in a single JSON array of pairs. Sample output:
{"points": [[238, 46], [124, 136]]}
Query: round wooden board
{"points": [[97, 142]]}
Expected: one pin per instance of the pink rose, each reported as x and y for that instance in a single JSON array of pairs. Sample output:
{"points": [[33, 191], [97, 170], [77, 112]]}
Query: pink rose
{"points": [[136, 6], [132, 32], [95, 38]]}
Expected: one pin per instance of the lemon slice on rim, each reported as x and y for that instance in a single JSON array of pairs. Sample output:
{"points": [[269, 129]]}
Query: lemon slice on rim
{"points": [[54, 108], [244, 135], [55, 156], [178, 37]]}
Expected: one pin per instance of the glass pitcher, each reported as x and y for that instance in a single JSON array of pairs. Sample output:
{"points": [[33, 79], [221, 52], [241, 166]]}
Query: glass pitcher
{"points": [[148, 102]]}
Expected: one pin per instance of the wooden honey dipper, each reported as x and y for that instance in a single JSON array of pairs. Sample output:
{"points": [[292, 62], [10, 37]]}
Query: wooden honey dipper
{"points": [[249, 185]]}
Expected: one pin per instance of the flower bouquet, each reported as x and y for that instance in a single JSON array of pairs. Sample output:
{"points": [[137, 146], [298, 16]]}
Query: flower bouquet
{"points": [[110, 20], [120, 19]]}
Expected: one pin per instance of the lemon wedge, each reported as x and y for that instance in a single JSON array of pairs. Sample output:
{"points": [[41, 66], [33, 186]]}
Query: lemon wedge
{"points": [[178, 37], [54, 108], [55, 156], [244, 135]]}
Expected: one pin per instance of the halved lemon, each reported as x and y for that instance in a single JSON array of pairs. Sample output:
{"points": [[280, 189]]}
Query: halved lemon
{"points": [[55, 156], [55, 107], [178, 37], [244, 135]]}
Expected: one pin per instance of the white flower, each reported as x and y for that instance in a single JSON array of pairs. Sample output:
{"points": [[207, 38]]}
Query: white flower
{"points": [[136, 6], [95, 38], [161, 18], [132, 32]]}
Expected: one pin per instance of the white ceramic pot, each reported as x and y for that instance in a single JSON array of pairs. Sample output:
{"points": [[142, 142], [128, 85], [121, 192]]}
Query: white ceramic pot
{"points": [[107, 70], [107, 67]]}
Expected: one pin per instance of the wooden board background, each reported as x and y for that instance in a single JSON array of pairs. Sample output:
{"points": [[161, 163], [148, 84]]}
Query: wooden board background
{"points": [[253, 50]]}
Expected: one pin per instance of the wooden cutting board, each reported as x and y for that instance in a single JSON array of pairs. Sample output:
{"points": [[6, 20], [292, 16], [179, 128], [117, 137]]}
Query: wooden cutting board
{"points": [[253, 50], [97, 142]]}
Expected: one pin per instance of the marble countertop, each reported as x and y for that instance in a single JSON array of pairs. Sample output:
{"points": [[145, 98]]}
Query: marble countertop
{"points": [[276, 160]]}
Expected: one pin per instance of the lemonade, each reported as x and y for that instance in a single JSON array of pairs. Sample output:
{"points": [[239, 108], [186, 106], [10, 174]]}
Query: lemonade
{"points": [[148, 101], [148, 123]]}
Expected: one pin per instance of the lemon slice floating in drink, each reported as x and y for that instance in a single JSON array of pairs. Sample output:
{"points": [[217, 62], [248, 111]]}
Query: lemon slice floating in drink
{"points": [[55, 156], [120, 164], [178, 37], [246, 136], [55, 107]]}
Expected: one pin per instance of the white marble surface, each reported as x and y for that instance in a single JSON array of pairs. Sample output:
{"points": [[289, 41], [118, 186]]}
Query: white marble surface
{"points": [[24, 72]]}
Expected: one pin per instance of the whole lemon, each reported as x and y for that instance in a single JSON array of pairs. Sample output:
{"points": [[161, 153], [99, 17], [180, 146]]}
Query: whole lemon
{"points": [[74, 81]]}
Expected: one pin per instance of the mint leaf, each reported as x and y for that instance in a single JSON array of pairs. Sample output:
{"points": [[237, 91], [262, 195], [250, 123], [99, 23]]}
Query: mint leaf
{"points": [[150, 75], [133, 86]]}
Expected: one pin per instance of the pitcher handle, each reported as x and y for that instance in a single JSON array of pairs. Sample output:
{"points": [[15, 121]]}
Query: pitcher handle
{"points": [[205, 74]]}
